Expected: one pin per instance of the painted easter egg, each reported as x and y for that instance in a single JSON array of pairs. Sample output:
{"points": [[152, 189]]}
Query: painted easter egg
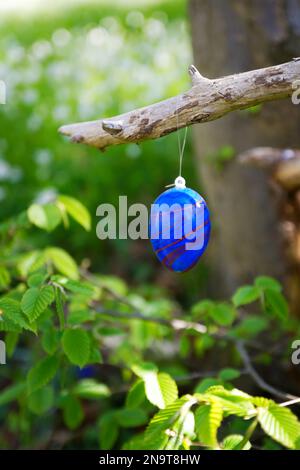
{"points": [[179, 227]]}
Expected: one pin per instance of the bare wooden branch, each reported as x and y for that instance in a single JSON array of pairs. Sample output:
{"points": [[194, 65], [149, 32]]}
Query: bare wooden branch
{"points": [[207, 100], [284, 163]]}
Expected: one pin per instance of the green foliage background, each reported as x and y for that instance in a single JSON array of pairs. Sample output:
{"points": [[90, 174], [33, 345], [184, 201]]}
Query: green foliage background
{"points": [[78, 63], [105, 350]]}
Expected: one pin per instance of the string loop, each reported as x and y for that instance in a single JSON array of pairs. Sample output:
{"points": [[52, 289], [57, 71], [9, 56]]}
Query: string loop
{"points": [[180, 149]]}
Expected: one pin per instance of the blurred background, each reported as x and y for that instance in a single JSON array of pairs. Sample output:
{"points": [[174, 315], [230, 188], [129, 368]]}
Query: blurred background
{"points": [[75, 60], [72, 61]]}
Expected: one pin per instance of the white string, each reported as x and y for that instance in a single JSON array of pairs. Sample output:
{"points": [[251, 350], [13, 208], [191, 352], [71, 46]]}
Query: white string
{"points": [[180, 147]]}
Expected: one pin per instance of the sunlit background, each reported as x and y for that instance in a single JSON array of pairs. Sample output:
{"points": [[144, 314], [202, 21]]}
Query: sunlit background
{"points": [[80, 60]]}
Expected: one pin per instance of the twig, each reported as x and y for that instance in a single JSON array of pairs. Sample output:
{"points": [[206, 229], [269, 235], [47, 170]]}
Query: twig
{"points": [[290, 402], [176, 323], [207, 100], [257, 378]]}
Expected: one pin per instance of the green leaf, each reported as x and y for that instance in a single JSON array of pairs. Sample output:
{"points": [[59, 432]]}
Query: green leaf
{"points": [[80, 316], [245, 295], [59, 304], [30, 262], [63, 262], [108, 430], [276, 304], [156, 435], [76, 345], [207, 383], [232, 442], [233, 401], [41, 400], [90, 389], [229, 374], [5, 278], [223, 314], [280, 424], [72, 412], [131, 417], [36, 300], [11, 311], [12, 393], [202, 308], [76, 210], [251, 326], [208, 419], [160, 389], [95, 355], [144, 368], [35, 280], [46, 216], [50, 340], [11, 341], [266, 282], [78, 287], [136, 394], [41, 373]]}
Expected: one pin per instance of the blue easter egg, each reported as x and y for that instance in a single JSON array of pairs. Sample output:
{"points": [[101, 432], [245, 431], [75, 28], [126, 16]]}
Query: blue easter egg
{"points": [[179, 228]]}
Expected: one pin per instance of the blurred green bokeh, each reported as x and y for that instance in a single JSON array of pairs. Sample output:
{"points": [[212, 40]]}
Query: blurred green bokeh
{"points": [[72, 61]]}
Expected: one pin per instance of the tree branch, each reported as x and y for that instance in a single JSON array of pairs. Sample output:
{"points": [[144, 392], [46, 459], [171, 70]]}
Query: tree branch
{"points": [[207, 100], [257, 378]]}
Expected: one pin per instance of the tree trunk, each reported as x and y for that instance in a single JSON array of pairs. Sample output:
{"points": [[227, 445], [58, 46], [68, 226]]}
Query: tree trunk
{"points": [[229, 37]]}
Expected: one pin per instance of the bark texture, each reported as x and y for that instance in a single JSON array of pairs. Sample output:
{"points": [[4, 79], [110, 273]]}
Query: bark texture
{"points": [[235, 36], [205, 101]]}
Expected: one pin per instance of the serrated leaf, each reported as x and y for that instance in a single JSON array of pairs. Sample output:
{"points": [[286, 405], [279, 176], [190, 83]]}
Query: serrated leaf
{"points": [[36, 300], [245, 295], [12, 312], [78, 287], [76, 345], [157, 432], [40, 374], [41, 400], [280, 424], [46, 217], [90, 389], [62, 261], [160, 389], [208, 419], [72, 412], [76, 210], [233, 401], [232, 441]]}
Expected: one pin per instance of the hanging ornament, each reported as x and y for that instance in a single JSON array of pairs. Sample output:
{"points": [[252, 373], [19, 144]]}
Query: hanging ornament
{"points": [[179, 227], [179, 223]]}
